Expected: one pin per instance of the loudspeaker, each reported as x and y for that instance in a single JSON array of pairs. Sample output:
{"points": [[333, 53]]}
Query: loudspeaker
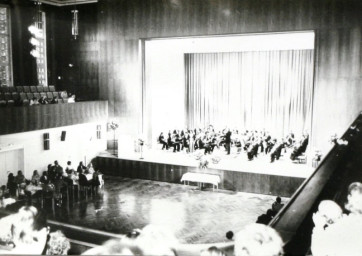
{"points": [[46, 145], [46, 136], [64, 133]]}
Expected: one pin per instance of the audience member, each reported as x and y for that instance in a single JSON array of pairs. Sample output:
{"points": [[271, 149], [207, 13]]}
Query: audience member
{"points": [[212, 251], [43, 100], [57, 244], [12, 185], [230, 235], [277, 205], [44, 178], [35, 179], [256, 240], [328, 213], [69, 169], [81, 167], [20, 178], [265, 218]]}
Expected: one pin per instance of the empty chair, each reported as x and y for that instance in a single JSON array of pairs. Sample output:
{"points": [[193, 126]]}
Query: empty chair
{"points": [[10, 103], [29, 95], [7, 96], [26, 89], [45, 88], [43, 94], [4, 89], [2, 96], [50, 95], [40, 88], [32, 88], [2, 103], [51, 88], [36, 95], [11, 89], [15, 96], [19, 89], [56, 94]]}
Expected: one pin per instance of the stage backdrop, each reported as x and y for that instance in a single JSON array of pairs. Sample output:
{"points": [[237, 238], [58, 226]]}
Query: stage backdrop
{"points": [[270, 90]]}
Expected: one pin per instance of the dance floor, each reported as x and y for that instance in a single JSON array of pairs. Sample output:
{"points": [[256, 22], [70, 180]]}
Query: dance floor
{"points": [[233, 162], [194, 216]]}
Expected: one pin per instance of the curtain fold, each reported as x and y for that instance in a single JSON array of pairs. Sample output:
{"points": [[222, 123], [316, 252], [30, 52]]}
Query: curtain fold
{"points": [[269, 90]]}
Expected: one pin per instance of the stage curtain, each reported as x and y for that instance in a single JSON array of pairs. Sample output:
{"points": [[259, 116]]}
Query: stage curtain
{"points": [[269, 90]]}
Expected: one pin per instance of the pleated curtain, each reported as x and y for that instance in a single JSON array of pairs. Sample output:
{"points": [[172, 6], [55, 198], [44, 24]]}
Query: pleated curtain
{"points": [[271, 90]]}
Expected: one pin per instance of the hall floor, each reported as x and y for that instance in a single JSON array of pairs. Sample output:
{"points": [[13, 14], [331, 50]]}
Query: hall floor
{"points": [[194, 216]]}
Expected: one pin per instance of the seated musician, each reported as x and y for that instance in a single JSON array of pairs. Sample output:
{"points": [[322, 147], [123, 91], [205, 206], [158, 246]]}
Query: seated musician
{"points": [[270, 144], [161, 140], [253, 150], [176, 140], [185, 141], [277, 152], [169, 140], [301, 148]]}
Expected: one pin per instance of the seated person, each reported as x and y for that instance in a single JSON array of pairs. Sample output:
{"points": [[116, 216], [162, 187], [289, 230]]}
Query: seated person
{"points": [[90, 169], [20, 178], [301, 148], [277, 152], [58, 244], [54, 100], [71, 99], [212, 251], [258, 239], [34, 101], [161, 140], [12, 185], [35, 179], [69, 169], [44, 178], [83, 181], [81, 167], [265, 218], [43, 100], [277, 205], [328, 213]]}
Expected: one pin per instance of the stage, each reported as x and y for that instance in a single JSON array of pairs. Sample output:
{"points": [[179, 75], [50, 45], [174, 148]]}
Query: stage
{"points": [[236, 173]]}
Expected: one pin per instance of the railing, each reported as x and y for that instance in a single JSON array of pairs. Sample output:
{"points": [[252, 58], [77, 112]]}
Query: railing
{"points": [[330, 180], [37, 117]]}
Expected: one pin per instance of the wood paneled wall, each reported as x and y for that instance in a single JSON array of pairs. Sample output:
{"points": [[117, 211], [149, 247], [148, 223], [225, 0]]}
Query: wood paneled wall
{"points": [[106, 61], [338, 96], [31, 118]]}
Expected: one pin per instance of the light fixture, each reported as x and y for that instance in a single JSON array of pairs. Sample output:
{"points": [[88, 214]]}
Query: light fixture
{"points": [[75, 23]]}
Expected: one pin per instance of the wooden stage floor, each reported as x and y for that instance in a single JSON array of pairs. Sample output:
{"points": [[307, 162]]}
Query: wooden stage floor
{"points": [[259, 176]]}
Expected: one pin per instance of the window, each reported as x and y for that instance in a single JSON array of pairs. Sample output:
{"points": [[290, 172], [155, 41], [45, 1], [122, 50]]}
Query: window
{"points": [[5, 47]]}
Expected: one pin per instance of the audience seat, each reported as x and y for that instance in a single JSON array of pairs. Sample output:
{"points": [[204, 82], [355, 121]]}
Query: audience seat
{"points": [[2, 96], [45, 88], [49, 95], [26, 89], [7, 96], [33, 89], [51, 88], [2, 103], [29, 95], [43, 94], [11, 89], [15, 96], [40, 88], [19, 89], [36, 95]]}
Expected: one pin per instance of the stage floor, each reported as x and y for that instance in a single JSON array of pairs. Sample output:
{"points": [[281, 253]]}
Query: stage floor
{"points": [[233, 162]]}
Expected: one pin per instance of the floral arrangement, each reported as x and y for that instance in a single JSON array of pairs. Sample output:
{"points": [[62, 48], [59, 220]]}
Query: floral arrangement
{"points": [[203, 164], [58, 244], [215, 159], [113, 125]]}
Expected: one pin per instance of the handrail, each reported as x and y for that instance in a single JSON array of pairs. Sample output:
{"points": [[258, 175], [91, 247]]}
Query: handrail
{"points": [[296, 212]]}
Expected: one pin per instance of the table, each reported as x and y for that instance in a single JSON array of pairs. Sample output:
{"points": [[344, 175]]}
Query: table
{"points": [[201, 178]]}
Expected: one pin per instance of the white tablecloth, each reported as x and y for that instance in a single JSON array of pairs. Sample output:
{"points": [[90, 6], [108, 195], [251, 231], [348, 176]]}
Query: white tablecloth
{"points": [[201, 177]]}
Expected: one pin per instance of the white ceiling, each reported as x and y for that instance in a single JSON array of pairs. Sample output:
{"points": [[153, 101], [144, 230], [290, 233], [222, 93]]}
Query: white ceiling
{"points": [[67, 2]]}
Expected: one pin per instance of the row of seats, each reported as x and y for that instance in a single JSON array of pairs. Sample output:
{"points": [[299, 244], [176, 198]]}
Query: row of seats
{"points": [[26, 89], [23, 99]]}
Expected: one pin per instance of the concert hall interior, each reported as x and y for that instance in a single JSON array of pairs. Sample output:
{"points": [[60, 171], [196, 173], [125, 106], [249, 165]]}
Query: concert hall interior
{"points": [[180, 127]]}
